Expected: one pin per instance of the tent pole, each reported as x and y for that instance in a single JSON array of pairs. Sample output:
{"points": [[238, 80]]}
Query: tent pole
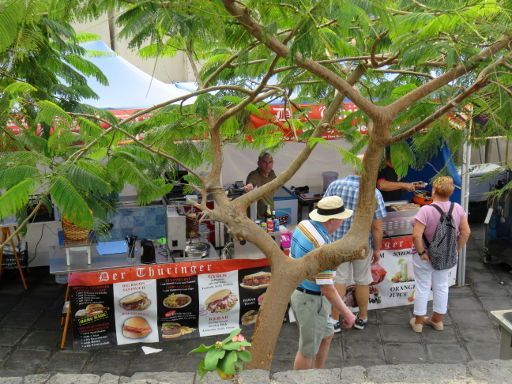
{"points": [[466, 162]]}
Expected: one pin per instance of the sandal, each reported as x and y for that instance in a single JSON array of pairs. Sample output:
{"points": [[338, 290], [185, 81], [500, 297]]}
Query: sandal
{"points": [[418, 328], [439, 326]]}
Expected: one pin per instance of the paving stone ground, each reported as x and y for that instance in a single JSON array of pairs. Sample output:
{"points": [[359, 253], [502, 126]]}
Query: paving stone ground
{"points": [[30, 332]]}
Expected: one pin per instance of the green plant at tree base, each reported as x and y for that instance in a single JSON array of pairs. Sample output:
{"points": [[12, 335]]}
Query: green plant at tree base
{"points": [[227, 357]]}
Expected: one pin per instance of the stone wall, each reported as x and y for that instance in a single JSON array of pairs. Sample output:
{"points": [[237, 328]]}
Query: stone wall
{"points": [[474, 372]]}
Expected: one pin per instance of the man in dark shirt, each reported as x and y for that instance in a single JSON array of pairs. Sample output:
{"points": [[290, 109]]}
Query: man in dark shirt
{"points": [[260, 176], [388, 184]]}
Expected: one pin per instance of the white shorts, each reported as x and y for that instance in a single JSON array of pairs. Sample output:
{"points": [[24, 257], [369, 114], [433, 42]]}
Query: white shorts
{"points": [[355, 271]]}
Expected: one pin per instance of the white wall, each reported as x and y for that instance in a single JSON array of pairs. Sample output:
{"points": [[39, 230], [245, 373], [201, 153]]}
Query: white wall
{"points": [[325, 157], [39, 238]]}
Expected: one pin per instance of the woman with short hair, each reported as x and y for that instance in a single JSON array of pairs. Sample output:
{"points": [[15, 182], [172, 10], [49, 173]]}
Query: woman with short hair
{"points": [[425, 275]]}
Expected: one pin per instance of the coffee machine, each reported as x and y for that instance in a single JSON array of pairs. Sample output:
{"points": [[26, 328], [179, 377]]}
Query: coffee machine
{"points": [[176, 229]]}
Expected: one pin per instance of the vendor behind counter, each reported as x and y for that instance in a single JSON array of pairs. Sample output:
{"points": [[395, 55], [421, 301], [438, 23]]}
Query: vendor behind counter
{"points": [[389, 184]]}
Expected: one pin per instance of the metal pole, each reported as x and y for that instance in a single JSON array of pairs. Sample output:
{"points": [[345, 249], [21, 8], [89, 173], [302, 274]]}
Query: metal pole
{"points": [[466, 162], [112, 28]]}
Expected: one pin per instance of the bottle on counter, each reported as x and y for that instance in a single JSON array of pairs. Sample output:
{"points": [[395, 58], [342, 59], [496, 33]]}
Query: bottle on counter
{"points": [[270, 225], [268, 220], [276, 221]]}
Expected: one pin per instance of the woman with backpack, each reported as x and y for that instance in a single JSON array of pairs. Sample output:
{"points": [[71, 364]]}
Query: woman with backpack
{"points": [[440, 230]]}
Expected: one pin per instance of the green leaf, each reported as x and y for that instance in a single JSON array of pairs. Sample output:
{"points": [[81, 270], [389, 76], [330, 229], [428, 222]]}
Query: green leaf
{"points": [[62, 141], [350, 157], [227, 364], [200, 369], [202, 348], [87, 68], [402, 157], [49, 111], [87, 176], [70, 202], [83, 37], [157, 50], [402, 90], [235, 346], [245, 356], [16, 197], [13, 175], [212, 357], [232, 334], [19, 87], [230, 127]]}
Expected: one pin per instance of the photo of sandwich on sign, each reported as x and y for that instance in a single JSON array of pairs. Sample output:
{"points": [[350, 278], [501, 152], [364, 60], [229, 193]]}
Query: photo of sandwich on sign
{"points": [[258, 280], [136, 328], [175, 330], [221, 301], [137, 301], [91, 310], [249, 317]]}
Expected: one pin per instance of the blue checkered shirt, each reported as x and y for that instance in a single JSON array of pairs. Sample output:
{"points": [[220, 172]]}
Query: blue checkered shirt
{"points": [[348, 189]]}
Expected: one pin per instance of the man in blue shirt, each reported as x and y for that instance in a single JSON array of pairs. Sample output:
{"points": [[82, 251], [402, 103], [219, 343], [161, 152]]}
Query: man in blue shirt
{"points": [[358, 271], [312, 300]]}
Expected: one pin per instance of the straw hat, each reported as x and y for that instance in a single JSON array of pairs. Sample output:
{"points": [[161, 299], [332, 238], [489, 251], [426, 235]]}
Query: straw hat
{"points": [[330, 207]]}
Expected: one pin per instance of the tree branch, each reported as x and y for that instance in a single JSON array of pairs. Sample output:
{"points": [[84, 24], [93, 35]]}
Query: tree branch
{"points": [[480, 82], [21, 225], [433, 85], [404, 72], [247, 199], [241, 14], [135, 140]]}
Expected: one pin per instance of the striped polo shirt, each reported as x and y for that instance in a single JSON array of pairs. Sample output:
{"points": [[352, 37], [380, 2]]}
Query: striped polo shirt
{"points": [[308, 235]]}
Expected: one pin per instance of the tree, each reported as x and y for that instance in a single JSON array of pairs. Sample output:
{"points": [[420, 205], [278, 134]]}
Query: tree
{"points": [[404, 64]]}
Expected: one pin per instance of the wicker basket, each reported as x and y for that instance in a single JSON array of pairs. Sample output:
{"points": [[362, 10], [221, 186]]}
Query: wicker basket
{"points": [[73, 232]]}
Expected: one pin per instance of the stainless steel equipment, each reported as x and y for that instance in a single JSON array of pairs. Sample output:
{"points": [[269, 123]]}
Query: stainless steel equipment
{"points": [[176, 229], [197, 249]]}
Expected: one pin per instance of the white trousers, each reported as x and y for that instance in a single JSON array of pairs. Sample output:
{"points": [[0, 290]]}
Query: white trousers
{"points": [[426, 278]]}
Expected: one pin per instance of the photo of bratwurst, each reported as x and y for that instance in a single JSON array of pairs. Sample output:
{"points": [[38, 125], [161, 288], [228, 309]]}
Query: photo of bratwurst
{"points": [[175, 330], [136, 328], [221, 301], [256, 280], [136, 301]]}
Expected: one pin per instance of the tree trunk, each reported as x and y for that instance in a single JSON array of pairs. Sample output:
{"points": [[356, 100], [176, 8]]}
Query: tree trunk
{"points": [[270, 318]]}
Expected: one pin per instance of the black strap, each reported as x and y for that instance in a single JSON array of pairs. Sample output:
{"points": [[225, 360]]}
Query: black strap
{"points": [[451, 209], [309, 291], [441, 212]]}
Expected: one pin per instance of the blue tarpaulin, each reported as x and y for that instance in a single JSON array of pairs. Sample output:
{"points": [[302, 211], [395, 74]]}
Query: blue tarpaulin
{"points": [[443, 161]]}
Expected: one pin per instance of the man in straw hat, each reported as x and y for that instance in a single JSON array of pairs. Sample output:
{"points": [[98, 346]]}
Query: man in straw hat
{"points": [[312, 300], [358, 271]]}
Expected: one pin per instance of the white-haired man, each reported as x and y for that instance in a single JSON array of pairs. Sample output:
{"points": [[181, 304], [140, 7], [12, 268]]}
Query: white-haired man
{"points": [[313, 299]]}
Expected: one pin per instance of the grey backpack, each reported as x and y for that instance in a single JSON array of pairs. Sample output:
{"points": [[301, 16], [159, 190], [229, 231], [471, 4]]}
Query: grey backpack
{"points": [[443, 248]]}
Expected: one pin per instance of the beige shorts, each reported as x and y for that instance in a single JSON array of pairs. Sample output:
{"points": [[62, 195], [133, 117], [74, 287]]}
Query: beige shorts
{"points": [[356, 271]]}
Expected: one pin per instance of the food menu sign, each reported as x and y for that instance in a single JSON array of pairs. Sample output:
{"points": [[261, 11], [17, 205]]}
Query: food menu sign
{"points": [[158, 302], [393, 276]]}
